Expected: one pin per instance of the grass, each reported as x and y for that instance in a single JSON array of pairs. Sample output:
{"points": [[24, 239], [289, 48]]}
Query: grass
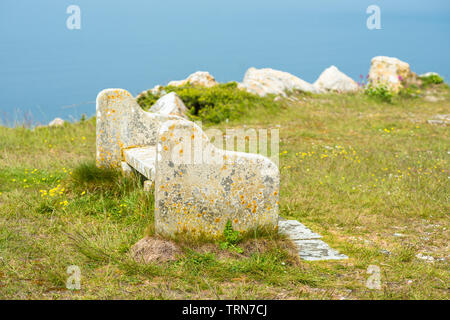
{"points": [[371, 177]]}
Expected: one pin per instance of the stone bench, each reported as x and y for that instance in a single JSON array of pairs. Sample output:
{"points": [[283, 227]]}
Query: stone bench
{"points": [[198, 187]]}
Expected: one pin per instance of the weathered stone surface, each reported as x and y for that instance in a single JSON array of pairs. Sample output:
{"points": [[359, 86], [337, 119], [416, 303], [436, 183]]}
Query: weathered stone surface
{"points": [[57, 122], [309, 247], [170, 104], [198, 192], [332, 79], [295, 230], [122, 124], [315, 250], [268, 81], [142, 159], [199, 78], [390, 72]]}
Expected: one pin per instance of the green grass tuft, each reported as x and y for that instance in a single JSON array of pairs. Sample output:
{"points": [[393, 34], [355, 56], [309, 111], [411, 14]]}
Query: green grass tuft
{"points": [[215, 104]]}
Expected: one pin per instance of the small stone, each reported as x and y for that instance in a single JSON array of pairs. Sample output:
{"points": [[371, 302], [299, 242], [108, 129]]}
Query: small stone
{"points": [[384, 251], [400, 235], [424, 257]]}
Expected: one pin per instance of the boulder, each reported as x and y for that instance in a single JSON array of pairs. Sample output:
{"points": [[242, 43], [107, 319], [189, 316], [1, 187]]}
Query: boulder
{"points": [[269, 81], [391, 72], [199, 78], [332, 79], [170, 104], [57, 122]]}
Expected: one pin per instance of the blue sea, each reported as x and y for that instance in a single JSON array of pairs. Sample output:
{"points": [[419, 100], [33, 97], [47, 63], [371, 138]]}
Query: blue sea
{"points": [[48, 70]]}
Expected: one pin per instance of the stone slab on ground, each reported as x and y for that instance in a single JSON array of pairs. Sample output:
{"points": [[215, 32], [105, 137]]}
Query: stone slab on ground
{"points": [[309, 245], [440, 119], [296, 231], [316, 250]]}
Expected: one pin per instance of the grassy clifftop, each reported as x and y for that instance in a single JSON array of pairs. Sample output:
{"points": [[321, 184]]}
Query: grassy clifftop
{"points": [[370, 176]]}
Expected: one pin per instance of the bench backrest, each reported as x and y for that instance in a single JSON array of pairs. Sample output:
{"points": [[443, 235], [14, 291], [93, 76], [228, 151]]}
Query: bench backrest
{"points": [[122, 124]]}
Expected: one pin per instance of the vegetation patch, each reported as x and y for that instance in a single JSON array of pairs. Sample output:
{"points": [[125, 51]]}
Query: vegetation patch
{"points": [[370, 177], [431, 79], [214, 104]]}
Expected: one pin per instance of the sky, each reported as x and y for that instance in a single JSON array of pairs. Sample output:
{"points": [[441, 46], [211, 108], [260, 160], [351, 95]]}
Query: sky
{"points": [[48, 70]]}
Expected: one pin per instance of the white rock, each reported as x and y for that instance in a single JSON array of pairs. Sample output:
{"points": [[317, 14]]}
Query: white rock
{"points": [[57, 122], [332, 79], [156, 90], [424, 257], [199, 78], [269, 81], [170, 104], [389, 71]]}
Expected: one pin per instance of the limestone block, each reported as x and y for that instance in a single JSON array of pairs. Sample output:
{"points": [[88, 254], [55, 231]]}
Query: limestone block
{"points": [[199, 78], [390, 72], [269, 81], [332, 79], [170, 104], [122, 124], [199, 187]]}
